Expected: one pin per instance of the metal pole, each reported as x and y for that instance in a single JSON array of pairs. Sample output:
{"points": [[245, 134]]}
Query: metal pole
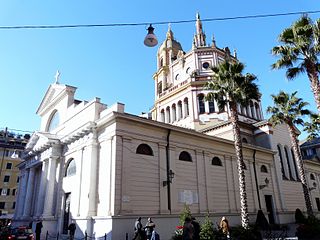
{"points": [[47, 235], [168, 171], [127, 236]]}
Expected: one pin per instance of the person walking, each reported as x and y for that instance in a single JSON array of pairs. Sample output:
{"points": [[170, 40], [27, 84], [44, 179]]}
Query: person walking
{"points": [[72, 229], [154, 235], [224, 226], [38, 230], [197, 229], [188, 230], [150, 225], [138, 231]]}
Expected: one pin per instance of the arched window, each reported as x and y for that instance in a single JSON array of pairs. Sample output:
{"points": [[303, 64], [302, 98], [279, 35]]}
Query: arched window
{"points": [[256, 105], [312, 177], [252, 110], [244, 140], [54, 121], [168, 118], [161, 62], [179, 110], [201, 103], [71, 168], [211, 106], [281, 162], [162, 115], [144, 149], [216, 161], [174, 113], [295, 165], [263, 169], [185, 156], [288, 162], [186, 107]]}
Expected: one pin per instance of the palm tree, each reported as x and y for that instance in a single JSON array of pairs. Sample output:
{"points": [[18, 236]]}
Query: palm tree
{"points": [[229, 86], [289, 109], [299, 52], [312, 127]]}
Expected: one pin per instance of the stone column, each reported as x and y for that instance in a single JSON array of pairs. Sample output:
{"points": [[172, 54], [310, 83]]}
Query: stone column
{"points": [[51, 176], [42, 189], [20, 201], [104, 177], [28, 199], [93, 152]]}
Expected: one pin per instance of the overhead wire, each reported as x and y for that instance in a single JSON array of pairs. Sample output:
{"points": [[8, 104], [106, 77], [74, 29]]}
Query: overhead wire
{"points": [[156, 23]]}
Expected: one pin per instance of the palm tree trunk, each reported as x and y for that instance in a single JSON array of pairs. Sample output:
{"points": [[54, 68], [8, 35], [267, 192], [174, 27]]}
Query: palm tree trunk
{"points": [[314, 82], [298, 159], [242, 182]]}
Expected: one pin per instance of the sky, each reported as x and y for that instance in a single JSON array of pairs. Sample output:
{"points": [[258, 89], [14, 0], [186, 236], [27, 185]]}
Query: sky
{"points": [[113, 64]]}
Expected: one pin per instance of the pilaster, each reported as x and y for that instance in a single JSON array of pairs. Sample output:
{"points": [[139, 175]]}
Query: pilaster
{"points": [[51, 176], [28, 200]]}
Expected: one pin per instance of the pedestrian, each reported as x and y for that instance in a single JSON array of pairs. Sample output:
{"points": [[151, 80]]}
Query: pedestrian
{"points": [[197, 229], [188, 230], [150, 225], [38, 229], [224, 226], [154, 235], [138, 231], [72, 229]]}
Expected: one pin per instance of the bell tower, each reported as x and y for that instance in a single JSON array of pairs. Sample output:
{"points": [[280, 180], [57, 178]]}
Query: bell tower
{"points": [[180, 95]]}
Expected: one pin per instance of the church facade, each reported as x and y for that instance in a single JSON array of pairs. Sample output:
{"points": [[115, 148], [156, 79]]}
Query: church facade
{"points": [[102, 168]]}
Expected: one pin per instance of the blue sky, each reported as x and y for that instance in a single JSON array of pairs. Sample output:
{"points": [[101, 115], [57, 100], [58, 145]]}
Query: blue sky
{"points": [[112, 63]]}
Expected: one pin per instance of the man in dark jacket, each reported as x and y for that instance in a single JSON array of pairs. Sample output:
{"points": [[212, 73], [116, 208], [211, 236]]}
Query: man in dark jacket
{"points": [[72, 229], [38, 230], [149, 228], [138, 231]]}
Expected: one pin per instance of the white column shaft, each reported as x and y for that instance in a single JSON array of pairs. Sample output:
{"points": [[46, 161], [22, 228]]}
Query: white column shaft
{"points": [[28, 200], [47, 211]]}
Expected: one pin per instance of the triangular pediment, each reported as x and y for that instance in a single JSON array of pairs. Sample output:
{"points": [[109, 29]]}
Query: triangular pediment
{"points": [[53, 94]]}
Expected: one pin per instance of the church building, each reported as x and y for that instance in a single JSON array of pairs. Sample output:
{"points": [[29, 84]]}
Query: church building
{"points": [[101, 167]]}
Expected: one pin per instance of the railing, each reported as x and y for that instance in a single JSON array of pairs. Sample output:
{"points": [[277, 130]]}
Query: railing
{"points": [[67, 237]]}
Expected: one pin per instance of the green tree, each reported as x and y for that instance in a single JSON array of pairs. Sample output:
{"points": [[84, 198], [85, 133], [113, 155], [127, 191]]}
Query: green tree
{"points": [[184, 214], [289, 109], [230, 87], [313, 127], [207, 230], [299, 52]]}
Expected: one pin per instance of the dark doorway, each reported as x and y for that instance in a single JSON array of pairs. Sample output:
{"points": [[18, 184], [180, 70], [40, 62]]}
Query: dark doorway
{"points": [[66, 213], [269, 206]]}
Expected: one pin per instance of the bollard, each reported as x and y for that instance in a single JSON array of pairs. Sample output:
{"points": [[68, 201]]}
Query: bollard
{"points": [[127, 236], [47, 235]]}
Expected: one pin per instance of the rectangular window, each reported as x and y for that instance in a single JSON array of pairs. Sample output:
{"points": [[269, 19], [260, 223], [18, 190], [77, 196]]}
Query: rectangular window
{"points": [[13, 205], [4, 192], [18, 178], [13, 192], [6, 178], [8, 192], [9, 165], [318, 203], [2, 204]]}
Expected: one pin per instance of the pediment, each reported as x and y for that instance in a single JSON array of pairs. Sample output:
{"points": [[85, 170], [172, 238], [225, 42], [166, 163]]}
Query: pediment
{"points": [[53, 94]]}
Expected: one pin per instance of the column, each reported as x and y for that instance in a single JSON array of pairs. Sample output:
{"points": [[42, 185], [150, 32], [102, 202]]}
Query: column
{"points": [[93, 152], [51, 176], [28, 199], [23, 191], [42, 189], [104, 177], [19, 202]]}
